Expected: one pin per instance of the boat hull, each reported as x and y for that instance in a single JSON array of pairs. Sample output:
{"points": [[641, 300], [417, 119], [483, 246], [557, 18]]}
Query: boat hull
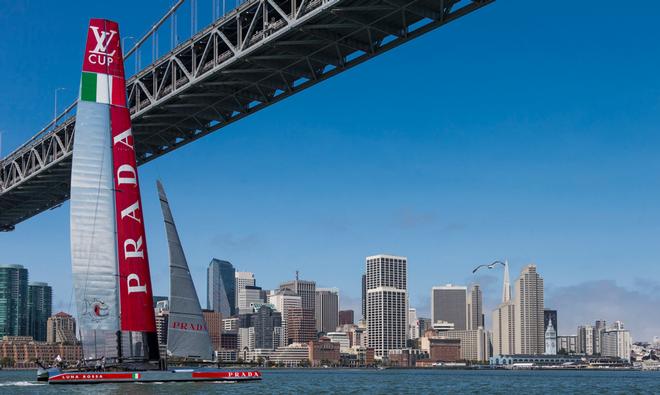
{"points": [[151, 376]]}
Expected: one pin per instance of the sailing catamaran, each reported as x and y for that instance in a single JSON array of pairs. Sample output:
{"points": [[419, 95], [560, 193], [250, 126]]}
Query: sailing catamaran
{"points": [[108, 244]]}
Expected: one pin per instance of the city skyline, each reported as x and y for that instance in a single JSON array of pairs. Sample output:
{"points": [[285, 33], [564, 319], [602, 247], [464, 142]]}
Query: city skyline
{"points": [[391, 323], [587, 208]]}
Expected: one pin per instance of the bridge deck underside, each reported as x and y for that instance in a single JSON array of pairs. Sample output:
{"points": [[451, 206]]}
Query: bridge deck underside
{"points": [[229, 70]]}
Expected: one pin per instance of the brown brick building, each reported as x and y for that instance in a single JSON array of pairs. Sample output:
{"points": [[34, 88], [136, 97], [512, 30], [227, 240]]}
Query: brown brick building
{"points": [[323, 351], [346, 317], [445, 350], [23, 351]]}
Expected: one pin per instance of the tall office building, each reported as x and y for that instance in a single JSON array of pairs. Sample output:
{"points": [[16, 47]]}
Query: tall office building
{"points": [[449, 303], [243, 279], [40, 308], [300, 324], [14, 314], [550, 331], [267, 324], [364, 296], [504, 319], [221, 287], [530, 338], [248, 296], [326, 309], [346, 317], [475, 313], [61, 328], [303, 288], [284, 301], [214, 325], [599, 328], [387, 303]]}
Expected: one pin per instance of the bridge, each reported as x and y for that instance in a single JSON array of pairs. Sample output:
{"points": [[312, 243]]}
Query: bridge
{"points": [[261, 52]]}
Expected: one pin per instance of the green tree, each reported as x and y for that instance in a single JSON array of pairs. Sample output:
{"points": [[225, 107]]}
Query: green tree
{"points": [[7, 362]]}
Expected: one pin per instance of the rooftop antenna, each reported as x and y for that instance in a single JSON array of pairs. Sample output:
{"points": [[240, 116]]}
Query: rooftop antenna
{"points": [[296, 275]]}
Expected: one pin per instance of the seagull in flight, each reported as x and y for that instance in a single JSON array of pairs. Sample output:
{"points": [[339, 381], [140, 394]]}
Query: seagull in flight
{"points": [[489, 266]]}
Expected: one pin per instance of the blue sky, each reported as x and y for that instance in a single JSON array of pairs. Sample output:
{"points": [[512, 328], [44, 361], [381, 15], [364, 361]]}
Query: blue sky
{"points": [[524, 131]]}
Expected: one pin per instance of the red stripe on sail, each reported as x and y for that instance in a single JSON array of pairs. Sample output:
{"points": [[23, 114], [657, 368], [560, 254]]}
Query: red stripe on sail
{"points": [[118, 92], [137, 313], [103, 50]]}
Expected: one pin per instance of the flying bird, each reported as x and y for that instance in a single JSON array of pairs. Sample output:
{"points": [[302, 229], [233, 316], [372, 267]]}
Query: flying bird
{"points": [[489, 266]]}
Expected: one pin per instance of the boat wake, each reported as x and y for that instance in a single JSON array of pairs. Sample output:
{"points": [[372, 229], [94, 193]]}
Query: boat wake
{"points": [[20, 384]]}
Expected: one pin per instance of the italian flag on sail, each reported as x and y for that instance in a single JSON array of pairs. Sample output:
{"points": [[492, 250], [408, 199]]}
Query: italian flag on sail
{"points": [[136, 376], [102, 88]]}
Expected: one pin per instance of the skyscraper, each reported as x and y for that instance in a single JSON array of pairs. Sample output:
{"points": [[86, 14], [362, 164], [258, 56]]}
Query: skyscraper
{"points": [[14, 312], [326, 309], [475, 314], [387, 307], [504, 319], [243, 279], [550, 331], [221, 287], [449, 303], [364, 296], [284, 301], [599, 328], [303, 288], [300, 325], [213, 321], [264, 321], [530, 338], [40, 307]]}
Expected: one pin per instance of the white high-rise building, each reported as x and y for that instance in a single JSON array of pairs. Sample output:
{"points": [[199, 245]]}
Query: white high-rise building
{"points": [[246, 339], [504, 318], [243, 279], [284, 301], [530, 338], [616, 342], [326, 309], [413, 324], [504, 329], [387, 303], [247, 297], [585, 340], [449, 303]]}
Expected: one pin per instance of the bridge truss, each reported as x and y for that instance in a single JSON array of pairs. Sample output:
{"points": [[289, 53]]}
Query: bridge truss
{"points": [[257, 55]]}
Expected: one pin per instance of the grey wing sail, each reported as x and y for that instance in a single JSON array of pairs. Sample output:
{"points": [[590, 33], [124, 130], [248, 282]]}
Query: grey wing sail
{"points": [[187, 333]]}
